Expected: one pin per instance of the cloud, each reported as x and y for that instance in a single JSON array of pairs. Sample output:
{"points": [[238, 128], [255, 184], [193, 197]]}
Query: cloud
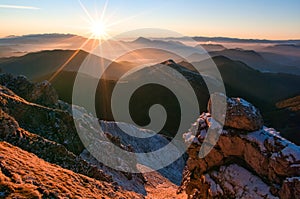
{"points": [[19, 7]]}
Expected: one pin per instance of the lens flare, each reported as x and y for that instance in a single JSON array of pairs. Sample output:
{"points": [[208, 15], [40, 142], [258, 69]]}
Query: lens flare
{"points": [[98, 29]]}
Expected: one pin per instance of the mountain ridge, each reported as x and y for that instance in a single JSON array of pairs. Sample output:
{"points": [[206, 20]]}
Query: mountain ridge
{"points": [[236, 76]]}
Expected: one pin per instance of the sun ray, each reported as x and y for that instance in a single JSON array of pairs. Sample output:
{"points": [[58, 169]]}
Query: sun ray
{"points": [[98, 32], [104, 11], [66, 62], [86, 12]]}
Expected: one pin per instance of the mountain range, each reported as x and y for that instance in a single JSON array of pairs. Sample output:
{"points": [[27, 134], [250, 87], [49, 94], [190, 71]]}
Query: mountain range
{"points": [[239, 78], [264, 55]]}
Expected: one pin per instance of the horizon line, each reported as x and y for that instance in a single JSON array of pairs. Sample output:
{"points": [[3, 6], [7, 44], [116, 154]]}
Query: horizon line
{"points": [[191, 36]]}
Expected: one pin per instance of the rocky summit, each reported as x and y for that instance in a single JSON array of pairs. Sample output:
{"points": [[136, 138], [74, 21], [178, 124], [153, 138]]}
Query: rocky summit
{"points": [[248, 160]]}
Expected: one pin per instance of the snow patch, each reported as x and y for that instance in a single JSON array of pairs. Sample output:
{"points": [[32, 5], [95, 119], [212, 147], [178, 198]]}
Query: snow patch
{"points": [[243, 184], [189, 138], [214, 187], [292, 179], [257, 137], [290, 151]]}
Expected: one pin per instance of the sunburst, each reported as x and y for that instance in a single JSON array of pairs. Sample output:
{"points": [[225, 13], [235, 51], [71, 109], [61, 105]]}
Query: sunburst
{"points": [[97, 26], [97, 29]]}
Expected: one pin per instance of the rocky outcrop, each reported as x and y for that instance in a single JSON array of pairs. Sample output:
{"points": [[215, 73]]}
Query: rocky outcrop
{"points": [[24, 175], [50, 134], [48, 150], [41, 93], [53, 124], [243, 163], [240, 114]]}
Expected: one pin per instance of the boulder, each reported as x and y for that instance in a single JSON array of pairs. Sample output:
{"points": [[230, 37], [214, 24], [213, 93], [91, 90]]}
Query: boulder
{"points": [[240, 114], [43, 93]]}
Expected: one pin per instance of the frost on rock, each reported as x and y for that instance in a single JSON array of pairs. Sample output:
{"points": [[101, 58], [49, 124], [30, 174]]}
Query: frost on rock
{"points": [[240, 114], [243, 163], [239, 182], [281, 148]]}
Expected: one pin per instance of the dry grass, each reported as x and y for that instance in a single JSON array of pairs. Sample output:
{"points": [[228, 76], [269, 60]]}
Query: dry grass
{"points": [[24, 175], [292, 103]]}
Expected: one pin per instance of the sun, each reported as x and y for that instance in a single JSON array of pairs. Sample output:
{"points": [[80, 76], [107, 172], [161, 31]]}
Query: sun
{"points": [[98, 29]]}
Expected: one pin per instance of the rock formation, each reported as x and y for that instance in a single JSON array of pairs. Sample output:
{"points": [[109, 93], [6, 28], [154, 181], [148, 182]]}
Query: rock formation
{"points": [[248, 160], [46, 149], [41, 93], [240, 114]]}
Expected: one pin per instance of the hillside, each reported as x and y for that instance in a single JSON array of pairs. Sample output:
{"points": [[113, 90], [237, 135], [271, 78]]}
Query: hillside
{"points": [[285, 49], [260, 86], [48, 138], [211, 47], [264, 61], [262, 89], [292, 104], [286, 118], [24, 175], [42, 155], [41, 65]]}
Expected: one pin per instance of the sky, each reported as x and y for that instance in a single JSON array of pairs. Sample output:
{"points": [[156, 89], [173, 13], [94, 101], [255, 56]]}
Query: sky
{"points": [[259, 19]]}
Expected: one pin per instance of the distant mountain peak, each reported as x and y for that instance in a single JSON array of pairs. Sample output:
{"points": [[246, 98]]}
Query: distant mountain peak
{"points": [[168, 62], [11, 36], [141, 40]]}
